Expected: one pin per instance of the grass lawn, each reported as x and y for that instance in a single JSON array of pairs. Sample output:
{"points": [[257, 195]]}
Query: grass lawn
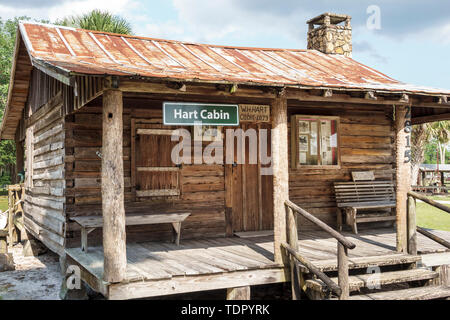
{"points": [[440, 198], [431, 217], [3, 203]]}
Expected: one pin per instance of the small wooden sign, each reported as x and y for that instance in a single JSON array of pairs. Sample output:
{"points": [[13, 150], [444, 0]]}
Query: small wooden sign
{"points": [[254, 113], [363, 176]]}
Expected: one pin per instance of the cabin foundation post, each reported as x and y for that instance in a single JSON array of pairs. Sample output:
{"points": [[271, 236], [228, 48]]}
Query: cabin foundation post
{"points": [[240, 293], [280, 174], [114, 242], [403, 173]]}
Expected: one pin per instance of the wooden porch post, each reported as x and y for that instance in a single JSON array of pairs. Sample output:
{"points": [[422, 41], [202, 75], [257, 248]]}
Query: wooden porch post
{"points": [[114, 242], [403, 172], [280, 174]]}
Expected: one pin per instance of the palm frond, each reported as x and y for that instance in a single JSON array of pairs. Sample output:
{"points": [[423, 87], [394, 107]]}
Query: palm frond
{"points": [[98, 20]]}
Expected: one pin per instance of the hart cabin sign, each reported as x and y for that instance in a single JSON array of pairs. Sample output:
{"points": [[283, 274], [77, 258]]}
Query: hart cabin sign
{"points": [[175, 113]]}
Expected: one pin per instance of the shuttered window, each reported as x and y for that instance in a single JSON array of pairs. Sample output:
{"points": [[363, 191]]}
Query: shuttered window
{"points": [[155, 174]]}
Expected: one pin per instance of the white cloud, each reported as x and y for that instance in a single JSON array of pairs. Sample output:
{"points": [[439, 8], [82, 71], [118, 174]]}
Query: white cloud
{"points": [[211, 21], [167, 30], [439, 34]]}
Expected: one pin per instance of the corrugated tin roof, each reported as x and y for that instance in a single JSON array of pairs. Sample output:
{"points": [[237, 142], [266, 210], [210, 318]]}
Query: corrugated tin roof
{"points": [[77, 51]]}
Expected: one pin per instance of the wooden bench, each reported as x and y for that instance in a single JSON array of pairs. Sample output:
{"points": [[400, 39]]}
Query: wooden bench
{"points": [[90, 223], [364, 195]]}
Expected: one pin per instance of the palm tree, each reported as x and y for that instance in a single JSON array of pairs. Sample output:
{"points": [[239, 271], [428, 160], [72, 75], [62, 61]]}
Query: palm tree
{"points": [[99, 21], [441, 133], [420, 135]]}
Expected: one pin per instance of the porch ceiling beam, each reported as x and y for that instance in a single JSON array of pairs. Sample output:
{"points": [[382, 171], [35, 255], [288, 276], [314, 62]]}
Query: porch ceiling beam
{"points": [[268, 92], [193, 89], [369, 98], [431, 118]]}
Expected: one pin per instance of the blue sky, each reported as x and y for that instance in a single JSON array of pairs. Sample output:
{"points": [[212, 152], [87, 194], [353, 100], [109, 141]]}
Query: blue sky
{"points": [[412, 45]]}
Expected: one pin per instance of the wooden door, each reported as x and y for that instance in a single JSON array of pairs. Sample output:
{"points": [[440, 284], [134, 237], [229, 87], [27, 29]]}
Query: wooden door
{"points": [[154, 172], [248, 193]]}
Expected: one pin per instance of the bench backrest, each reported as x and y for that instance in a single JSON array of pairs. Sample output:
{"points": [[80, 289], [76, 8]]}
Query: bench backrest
{"points": [[364, 191]]}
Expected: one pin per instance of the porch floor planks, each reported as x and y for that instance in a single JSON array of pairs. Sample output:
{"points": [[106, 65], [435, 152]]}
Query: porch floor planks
{"points": [[155, 261], [139, 257], [200, 254], [231, 256], [93, 262], [242, 248], [255, 247], [194, 260]]}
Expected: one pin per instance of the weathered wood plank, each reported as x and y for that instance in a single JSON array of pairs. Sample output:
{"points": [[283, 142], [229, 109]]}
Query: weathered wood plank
{"points": [[196, 283]]}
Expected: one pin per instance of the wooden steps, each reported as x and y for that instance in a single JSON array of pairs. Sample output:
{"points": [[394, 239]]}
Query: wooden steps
{"points": [[372, 281], [421, 293], [364, 262]]}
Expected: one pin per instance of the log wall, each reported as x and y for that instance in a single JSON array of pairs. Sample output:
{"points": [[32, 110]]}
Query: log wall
{"points": [[202, 188], [44, 215], [366, 143]]}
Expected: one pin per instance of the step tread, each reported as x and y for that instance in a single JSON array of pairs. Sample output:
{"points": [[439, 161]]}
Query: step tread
{"points": [[421, 293], [370, 279], [364, 262]]}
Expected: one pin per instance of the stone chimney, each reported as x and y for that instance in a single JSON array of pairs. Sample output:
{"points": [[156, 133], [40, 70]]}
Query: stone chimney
{"points": [[331, 33]]}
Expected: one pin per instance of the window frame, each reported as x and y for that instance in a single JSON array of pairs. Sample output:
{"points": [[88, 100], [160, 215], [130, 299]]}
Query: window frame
{"points": [[295, 142]]}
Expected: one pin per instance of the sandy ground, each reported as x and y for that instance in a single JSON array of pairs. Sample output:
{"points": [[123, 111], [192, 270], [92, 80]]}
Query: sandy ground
{"points": [[35, 278]]}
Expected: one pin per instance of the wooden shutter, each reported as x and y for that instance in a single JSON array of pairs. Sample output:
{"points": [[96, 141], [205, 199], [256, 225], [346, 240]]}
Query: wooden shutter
{"points": [[155, 174]]}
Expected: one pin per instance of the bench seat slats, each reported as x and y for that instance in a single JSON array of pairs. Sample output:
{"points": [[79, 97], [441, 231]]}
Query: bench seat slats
{"points": [[97, 221], [367, 205], [353, 196]]}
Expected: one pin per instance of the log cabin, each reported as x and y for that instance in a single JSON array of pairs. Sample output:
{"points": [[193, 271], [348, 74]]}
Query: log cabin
{"points": [[96, 118]]}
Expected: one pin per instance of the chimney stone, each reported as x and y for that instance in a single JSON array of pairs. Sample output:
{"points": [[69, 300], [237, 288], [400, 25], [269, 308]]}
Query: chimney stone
{"points": [[331, 33]]}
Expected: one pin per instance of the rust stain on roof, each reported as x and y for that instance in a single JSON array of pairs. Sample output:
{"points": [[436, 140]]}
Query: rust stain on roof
{"points": [[80, 51]]}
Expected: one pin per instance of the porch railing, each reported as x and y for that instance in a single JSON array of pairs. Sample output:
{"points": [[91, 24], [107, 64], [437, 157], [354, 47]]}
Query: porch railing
{"points": [[412, 228], [341, 289], [14, 215]]}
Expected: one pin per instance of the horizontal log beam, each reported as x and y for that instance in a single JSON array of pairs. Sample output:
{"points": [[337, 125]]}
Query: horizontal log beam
{"points": [[268, 92], [347, 243], [431, 118], [434, 237], [431, 202]]}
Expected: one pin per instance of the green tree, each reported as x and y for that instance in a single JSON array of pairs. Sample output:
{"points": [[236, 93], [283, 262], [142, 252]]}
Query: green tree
{"points": [[7, 39], [99, 21]]}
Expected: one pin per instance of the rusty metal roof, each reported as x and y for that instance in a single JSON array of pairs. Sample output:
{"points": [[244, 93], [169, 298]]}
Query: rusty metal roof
{"points": [[70, 51]]}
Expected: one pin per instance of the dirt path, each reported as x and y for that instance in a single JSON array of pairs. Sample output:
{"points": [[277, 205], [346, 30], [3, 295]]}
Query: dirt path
{"points": [[35, 278]]}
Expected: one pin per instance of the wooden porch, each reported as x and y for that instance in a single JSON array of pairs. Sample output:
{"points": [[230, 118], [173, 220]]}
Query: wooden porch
{"points": [[158, 269]]}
